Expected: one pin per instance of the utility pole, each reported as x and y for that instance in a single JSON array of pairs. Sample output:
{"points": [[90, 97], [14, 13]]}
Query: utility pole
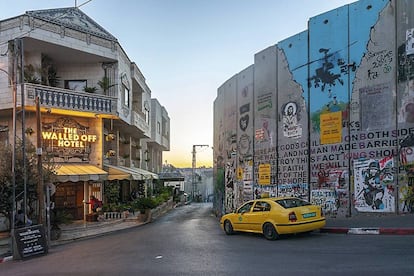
{"points": [[193, 182], [40, 184]]}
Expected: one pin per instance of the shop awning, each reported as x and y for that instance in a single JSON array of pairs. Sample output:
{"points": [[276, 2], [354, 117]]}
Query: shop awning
{"points": [[79, 172], [146, 174], [121, 173]]}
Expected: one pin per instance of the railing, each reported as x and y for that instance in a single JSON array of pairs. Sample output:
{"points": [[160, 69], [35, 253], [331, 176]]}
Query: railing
{"points": [[138, 120], [165, 142], [54, 97]]}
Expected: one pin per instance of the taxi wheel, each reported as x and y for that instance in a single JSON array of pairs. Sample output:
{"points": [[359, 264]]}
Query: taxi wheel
{"points": [[228, 228], [269, 232]]}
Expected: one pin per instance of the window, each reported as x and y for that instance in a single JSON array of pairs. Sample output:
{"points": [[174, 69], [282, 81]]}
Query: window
{"points": [[245, 208], [292, 202], [261, 206], [158, 127], [147, 112], [77, 85], [125, 95]]}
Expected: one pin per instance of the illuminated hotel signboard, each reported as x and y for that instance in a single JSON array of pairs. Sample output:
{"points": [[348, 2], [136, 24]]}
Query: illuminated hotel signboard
{"points": [[68, 139]]}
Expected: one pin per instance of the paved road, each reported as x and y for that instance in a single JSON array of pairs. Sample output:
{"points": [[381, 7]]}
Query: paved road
{"points": [[188, 241]]}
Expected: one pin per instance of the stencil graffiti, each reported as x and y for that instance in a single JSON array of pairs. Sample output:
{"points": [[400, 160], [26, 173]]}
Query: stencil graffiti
{"points": [[324, 75], [291, 128]]}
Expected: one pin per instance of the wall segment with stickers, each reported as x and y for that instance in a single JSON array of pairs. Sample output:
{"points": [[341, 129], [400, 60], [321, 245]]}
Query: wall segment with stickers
{"points": [[326, 114]]}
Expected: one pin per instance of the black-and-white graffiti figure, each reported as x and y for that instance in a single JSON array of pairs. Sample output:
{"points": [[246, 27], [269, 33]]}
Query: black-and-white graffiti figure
{"points": [[290, 121], [373, 190], [323, 75]]}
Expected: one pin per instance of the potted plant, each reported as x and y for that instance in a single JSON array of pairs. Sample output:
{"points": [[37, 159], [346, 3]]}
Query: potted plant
{"points": [[105, 84], [90, 89], [58, 216], [144, 205], [30, 74]]}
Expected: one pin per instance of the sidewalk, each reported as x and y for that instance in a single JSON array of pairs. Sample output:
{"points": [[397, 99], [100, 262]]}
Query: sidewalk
{"points": [[389, 224], [372, 223], [78, 230]]}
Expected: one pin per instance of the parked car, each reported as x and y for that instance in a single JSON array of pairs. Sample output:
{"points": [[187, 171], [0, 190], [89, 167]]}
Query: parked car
{"points": [[273, 217]]}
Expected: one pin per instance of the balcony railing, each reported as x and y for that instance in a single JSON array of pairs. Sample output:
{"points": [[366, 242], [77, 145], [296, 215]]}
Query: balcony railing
{"points": [[138, 120], [54, 97]]}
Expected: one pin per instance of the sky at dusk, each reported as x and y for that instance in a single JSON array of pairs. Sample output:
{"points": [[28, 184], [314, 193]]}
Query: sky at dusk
{"points": [[186, 49]]}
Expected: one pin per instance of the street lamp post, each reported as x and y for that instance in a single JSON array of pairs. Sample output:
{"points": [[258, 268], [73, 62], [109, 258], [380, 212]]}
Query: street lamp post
{"points": [[193, 182]]}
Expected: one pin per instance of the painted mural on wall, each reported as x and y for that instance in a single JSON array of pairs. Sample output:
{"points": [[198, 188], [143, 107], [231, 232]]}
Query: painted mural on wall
{"points": [[292, 148], [245, 135], [291, 127], [265, 139], [373, 185], [342, 84]]}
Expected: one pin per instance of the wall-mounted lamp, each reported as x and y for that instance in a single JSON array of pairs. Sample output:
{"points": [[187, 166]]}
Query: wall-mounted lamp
{"points": [[29, 131], [110, 153], [110, 137]]}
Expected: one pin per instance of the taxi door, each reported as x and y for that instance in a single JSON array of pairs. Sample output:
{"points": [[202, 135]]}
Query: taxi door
{"points": [[259, 215], [243, 217]]}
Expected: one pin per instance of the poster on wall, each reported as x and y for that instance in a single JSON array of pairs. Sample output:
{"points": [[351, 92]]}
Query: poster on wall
{"points": [[375, 99], [264, 174], [331, 128], [373, 185]]}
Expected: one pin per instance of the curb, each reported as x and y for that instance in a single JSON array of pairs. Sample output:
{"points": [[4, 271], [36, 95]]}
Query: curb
{"points": [[368, 231], [81, 237], [6, 259]]}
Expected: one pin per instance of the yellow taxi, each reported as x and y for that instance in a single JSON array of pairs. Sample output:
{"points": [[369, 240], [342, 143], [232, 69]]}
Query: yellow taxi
{"points": [[273, 217]]}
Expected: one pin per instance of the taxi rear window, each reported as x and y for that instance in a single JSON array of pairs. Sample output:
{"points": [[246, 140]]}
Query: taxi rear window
{"points": [[292, 202]]}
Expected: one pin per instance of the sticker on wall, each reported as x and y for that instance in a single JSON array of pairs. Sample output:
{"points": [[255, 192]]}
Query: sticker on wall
{"points": [[259, 134], [264, 102], [244, 144], [244, 122]]}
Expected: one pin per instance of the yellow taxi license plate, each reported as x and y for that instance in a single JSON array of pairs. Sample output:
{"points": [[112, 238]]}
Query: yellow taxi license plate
{"points": [[309, 215]]}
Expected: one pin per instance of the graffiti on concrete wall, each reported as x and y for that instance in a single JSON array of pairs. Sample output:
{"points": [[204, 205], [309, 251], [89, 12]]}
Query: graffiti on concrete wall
{"points": [[352, 72], [325, 198], [373, 185], [290, 119], [325, 75], [244, 133], [374, 106]]}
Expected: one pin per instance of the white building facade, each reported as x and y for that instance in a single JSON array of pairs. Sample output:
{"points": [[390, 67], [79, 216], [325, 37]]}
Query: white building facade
{"points": [[95, 106]]}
